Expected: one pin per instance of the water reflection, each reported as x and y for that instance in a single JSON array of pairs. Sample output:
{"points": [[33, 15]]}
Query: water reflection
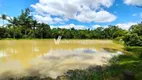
{"points": [[49, 58], [2, 54], [86, 50]]}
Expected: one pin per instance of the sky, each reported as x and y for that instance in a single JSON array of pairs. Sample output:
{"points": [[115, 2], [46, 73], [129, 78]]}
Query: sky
{"points": [[80, 14]]}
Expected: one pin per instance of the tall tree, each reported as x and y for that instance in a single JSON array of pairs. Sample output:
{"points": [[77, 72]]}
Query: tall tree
{"points": [[25, 20], [14, 23], [3, 17], [136, 29], [34, 23]]}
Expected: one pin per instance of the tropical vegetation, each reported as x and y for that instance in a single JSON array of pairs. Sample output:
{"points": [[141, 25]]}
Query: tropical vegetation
{"points": [[24, 26]]}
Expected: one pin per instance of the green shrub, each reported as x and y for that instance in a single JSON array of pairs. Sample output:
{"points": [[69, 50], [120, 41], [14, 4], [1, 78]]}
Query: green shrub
{"points": [[132, 40]]}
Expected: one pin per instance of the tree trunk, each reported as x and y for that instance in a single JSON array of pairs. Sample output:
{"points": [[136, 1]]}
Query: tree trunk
{"points": [[14, 32], [25, 33], [3, 22], [41, 33], [34, 32]]}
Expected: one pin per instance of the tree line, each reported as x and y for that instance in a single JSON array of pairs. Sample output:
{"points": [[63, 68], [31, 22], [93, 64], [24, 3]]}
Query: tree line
{"points": [[24, 26]]}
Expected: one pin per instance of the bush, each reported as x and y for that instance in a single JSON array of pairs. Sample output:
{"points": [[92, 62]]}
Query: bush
{"points": [[132, 40]]}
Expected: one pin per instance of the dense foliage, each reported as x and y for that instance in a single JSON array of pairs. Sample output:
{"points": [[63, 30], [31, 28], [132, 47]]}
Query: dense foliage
{"points": [[24, 26], [134, 37]]}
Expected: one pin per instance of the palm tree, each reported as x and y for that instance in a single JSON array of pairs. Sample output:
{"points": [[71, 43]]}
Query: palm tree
{"points": [[25, 20], [13, 22], [34, 22], [41, 26], [3, 17]]}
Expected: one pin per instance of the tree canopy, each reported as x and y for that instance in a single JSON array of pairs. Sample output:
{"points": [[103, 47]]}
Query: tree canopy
{"points": [[24, 26]]}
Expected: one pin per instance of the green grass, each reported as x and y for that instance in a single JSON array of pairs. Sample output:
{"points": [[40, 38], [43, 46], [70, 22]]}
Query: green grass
{"points": [[137, 51], [123, 63], [26, 39]]}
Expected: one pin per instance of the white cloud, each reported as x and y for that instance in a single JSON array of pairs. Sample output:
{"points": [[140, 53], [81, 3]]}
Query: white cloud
{"points": [[5, 21], [126, 26], [141, 14], [95, 26], [101, 16], [133, 2], [58, 19], [71, 26], [81, 10], [104, 16], [134, 14], [1, 23], [48, 19], [138, 14]]}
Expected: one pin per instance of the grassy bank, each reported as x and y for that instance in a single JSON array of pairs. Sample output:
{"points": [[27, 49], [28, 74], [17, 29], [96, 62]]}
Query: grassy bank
{"points": [[47, 39], [26, 39], [137, 51]]}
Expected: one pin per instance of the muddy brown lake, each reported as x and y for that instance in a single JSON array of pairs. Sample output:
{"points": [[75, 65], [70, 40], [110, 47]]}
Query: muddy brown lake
{"points": [[49, 58]]}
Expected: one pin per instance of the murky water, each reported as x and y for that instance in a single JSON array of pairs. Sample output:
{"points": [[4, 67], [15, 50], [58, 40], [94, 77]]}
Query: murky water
{"points": [[49, 58]]}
